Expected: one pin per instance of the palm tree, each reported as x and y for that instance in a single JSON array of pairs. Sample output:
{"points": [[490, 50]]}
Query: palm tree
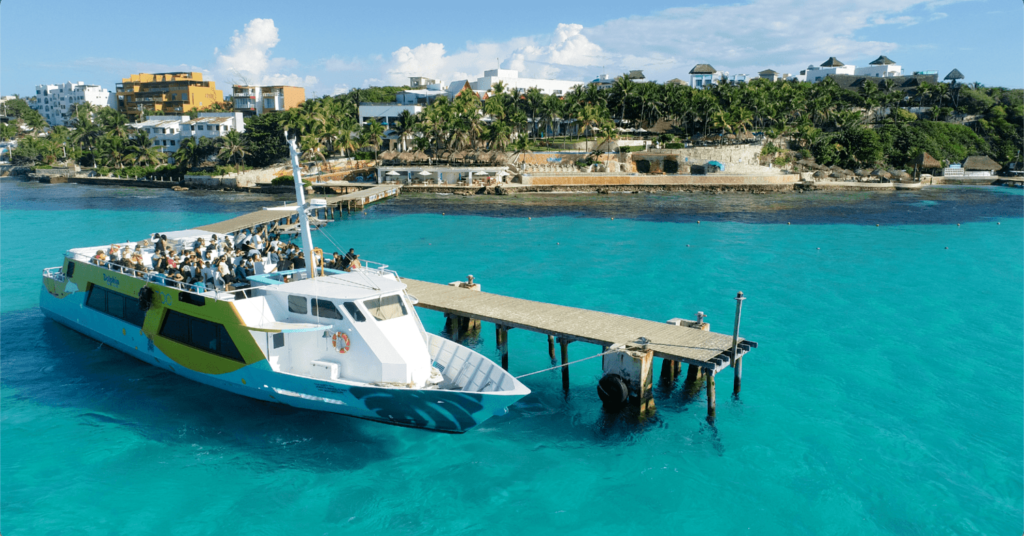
{"points": [[623, 89], [187, 155], [372, 132], [233, 147], [405, 126], [142, 151]]}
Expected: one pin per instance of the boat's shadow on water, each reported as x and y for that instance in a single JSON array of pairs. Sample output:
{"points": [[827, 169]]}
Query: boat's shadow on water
{"points": [[48, 364]]}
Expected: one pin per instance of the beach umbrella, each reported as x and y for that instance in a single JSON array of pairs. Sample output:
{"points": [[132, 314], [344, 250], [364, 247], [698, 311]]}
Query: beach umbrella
{"points": [[392, 173], [424, 173]]}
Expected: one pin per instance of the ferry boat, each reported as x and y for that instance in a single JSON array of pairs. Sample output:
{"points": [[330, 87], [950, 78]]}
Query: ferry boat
{"points": [[346, 342]]}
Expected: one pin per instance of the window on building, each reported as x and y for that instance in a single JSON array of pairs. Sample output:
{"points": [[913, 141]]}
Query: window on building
{"points": [[115, 304], [172, 143], [201, 334]]}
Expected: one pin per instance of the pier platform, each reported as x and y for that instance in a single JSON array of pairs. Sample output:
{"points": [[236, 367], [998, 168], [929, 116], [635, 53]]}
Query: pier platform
{"points": [[349, 201], [681, 343]]}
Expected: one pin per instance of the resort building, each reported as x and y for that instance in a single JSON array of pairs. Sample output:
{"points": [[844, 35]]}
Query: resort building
{"points": [[56, 102], [168, 131], [419, 96], [165, 92], [256, 100], [703, 75], [385, 112], [769, 75], [831, 66], [422, 82], [511, 81], [882, 67]]}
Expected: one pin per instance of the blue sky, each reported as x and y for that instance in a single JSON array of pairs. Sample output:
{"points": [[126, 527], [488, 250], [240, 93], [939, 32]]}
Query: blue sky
{"points": [[330, 47]]}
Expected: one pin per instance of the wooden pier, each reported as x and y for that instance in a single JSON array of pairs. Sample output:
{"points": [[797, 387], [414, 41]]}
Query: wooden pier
{"points": [[351, 202], [676, 341]]}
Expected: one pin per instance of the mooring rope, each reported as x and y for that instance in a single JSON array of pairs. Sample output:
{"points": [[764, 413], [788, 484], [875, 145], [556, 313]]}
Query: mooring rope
{"points": [[567, 364]]}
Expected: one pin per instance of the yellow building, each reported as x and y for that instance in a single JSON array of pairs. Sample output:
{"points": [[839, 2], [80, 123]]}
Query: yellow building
{"points": [[171, 93]]}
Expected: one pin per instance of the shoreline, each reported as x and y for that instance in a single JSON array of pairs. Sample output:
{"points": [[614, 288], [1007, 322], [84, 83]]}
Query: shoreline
{"points": [[651, 185]]}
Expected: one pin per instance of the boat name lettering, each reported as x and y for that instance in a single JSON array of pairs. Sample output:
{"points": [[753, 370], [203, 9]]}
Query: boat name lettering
{"points": [[328, 388], [164, 297], [112, 281]]}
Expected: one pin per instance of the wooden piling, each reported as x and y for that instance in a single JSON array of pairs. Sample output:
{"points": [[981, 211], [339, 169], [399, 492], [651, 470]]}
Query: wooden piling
{"points": [[565, 362], [711, 396], [669, 369], [502, 335], [737, 361], [551, 347]]}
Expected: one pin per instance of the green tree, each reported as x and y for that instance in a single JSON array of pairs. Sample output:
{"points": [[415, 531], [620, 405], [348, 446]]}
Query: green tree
{"points": [[233, 148]]}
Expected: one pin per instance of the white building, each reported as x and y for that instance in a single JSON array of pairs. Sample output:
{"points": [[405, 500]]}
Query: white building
{"points": [[703, 76], [55, 102], [883, 67], [385, 112], [512, 81], [168, 131], [831, 66]]}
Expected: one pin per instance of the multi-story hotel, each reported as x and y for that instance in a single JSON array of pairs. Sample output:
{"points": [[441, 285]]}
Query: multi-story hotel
{"points": [[170, 93], [56, 102], [256, 100]]}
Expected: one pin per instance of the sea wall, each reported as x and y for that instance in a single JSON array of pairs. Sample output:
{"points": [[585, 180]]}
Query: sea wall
{"points": [[613, 179]]}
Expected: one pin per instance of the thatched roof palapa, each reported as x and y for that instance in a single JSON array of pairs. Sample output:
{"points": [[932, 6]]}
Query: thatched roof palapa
{"points": [[882, 60], [832, 62], [927, 161], [703, 68], [981, 163], [955, 74]]}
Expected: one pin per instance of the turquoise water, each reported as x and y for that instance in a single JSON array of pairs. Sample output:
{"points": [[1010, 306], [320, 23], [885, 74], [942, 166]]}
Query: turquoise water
{"points": [[885, 397]]}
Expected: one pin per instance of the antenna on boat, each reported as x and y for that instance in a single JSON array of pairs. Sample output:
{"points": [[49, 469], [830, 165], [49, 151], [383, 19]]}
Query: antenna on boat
{"points": [[301, 206]]}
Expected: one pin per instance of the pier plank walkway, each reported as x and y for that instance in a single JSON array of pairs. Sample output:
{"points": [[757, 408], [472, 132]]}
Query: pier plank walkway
{"points": [[676, 343], [260, 217]]}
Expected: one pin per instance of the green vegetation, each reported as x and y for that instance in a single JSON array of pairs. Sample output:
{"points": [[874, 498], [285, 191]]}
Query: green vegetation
{"points": [[870, 127]]}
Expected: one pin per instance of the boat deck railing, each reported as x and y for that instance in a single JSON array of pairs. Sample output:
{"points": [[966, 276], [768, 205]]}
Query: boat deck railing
{"points": [[56, 273]]}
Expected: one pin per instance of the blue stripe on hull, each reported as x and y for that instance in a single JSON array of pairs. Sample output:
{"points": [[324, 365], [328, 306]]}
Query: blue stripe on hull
{"points": [[431, 409]]}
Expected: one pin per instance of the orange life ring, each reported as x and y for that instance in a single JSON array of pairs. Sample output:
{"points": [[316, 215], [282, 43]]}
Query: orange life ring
{"points": [[343, 339]]}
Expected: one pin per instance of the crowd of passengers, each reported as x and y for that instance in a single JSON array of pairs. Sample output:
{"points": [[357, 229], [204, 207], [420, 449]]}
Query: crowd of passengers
{"points": [[224, 262]]}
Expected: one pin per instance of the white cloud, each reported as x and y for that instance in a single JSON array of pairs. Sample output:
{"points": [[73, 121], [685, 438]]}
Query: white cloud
{"points": [[249, 58], [566, 52], [785, 35]]}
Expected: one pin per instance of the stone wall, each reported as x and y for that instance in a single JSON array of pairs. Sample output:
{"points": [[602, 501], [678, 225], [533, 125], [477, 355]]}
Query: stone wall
{"points": [[206, 181]]}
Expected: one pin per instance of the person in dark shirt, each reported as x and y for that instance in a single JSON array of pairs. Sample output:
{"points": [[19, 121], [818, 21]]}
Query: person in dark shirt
{"points": [[300, 261]]}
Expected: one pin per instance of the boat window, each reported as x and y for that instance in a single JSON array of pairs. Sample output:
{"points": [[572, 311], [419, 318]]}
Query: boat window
{"points": [[354, 311], [202, 334], [326, 309], [386, 307], [297, 304], [175, 327], [115, 304], [70, 272], [278, 340], [97, 299]]}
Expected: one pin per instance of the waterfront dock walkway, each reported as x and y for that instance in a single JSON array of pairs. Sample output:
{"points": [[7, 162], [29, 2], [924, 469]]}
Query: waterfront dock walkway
{"points": [[273, 214], [681, 343]]}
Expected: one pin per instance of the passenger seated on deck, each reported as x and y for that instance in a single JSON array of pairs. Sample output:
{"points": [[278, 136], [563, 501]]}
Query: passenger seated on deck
{"points": [[137, 263], [299, 261], [240, 274], [335, 262], [353, 265]]}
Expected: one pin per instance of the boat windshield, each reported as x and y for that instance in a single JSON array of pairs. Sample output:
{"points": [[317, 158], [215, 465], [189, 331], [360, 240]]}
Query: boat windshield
{"points": [[386, 307]]}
